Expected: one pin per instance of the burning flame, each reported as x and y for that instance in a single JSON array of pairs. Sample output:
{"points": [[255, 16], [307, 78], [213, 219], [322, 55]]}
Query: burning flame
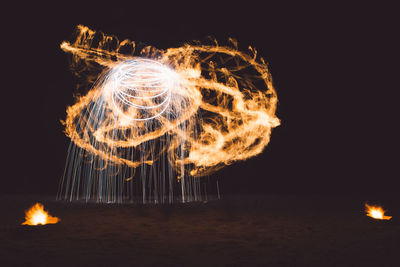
{"points": [[37, 215], [376, 212]]}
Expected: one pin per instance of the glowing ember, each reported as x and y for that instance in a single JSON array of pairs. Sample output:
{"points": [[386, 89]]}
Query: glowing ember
{"points": [[37, 215], [376, 212]]}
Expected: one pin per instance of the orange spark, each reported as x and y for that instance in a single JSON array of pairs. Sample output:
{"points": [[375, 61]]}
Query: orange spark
{"points": [[376, 212], [37, 215]]}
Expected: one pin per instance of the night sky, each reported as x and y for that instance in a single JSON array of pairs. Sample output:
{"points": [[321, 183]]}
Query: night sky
{"points": [[333, 67]]}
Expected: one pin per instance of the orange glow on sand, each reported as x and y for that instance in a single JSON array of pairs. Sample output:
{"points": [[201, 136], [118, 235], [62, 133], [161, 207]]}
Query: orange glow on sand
{"points": [[37, 215], [376, 212]]}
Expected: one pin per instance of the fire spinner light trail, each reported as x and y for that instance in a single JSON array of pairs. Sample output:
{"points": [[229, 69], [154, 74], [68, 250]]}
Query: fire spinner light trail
{"points": [[154, 121]]}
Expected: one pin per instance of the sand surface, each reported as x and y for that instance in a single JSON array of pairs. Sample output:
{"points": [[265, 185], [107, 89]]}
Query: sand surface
{"points": [[268, 230]]}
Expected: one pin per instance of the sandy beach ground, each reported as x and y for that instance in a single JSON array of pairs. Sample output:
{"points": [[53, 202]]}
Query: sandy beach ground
{"points": [[271, 230]]}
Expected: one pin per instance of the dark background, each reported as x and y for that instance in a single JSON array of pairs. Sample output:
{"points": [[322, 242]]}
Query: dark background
{"points": [[333, 67]]}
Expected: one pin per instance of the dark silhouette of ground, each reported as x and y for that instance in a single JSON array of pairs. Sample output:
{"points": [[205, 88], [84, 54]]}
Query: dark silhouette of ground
{"points": [[269, 230]]}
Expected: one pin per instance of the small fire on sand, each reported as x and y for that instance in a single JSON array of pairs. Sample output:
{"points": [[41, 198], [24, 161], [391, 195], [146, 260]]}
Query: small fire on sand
{"points": [[376, 212], [37, 215]]}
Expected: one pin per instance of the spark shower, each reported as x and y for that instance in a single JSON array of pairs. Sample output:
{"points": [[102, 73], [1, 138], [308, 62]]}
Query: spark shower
{"points": [[151, 122]]}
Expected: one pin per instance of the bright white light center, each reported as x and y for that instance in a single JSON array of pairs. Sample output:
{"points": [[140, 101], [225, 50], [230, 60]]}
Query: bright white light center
{"points": [[39, 218], [141, 88]]}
